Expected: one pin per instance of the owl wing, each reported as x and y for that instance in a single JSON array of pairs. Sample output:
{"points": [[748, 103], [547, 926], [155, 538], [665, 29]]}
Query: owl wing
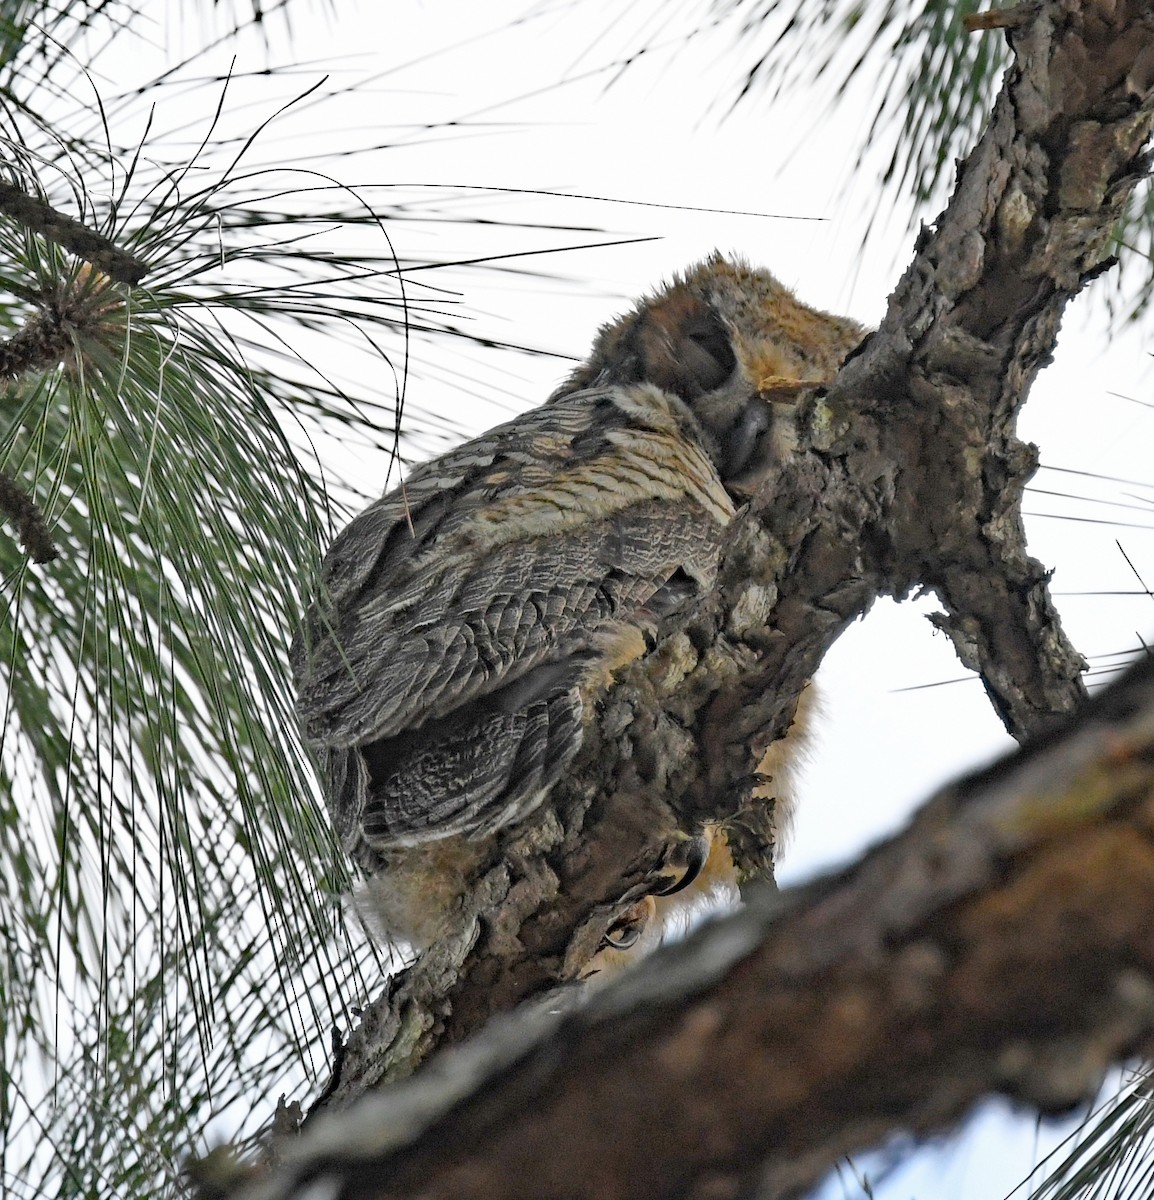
{"points": [[504, 554]]}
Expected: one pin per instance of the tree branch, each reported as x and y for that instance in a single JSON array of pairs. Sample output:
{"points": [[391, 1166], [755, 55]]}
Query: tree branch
{"points": [[1000, 944], [75, 237], [1030, 223], [43, 341], [907, 474], [24, 513]]}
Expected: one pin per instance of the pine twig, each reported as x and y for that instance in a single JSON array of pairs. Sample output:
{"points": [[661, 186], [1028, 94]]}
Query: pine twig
{"points": [[19, 507], [41, 342], [75, 237]]}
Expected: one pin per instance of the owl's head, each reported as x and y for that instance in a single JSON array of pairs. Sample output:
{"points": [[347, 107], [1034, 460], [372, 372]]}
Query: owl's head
{"points": [[730, 341]]}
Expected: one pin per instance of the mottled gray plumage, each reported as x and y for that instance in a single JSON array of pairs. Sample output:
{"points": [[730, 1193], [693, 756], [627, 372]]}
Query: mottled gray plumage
{"points": [[467, 619], [440, 676]]}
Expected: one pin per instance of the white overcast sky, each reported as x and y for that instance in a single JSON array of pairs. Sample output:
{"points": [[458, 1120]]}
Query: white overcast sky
{"points": [[537, 109]]}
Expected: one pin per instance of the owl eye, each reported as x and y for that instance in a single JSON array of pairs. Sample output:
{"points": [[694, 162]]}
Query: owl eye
{"points": [[707, 359], [715, 342], [682, 346]]}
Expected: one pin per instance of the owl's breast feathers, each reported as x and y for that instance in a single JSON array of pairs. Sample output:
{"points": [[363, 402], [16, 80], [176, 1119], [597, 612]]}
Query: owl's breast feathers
{"points": [[441, 675]]}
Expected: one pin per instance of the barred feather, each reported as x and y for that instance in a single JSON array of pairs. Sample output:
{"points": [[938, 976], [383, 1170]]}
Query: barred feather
{"points": [[497, 565]]}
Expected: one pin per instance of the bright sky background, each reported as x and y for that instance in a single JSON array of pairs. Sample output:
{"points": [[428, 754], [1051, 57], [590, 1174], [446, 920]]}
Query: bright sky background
{"points": [[537, 109]]}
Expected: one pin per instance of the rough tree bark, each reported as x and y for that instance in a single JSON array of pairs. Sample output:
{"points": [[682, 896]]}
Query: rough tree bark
{"points": [[908, 474], [1002, 943]]}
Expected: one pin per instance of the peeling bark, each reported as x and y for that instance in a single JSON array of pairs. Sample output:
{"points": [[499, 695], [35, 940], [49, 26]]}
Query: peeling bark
{"points": [[908, 474]]}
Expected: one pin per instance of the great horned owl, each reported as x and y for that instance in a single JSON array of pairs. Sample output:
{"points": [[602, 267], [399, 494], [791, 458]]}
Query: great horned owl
{"points": [[469, 619]]}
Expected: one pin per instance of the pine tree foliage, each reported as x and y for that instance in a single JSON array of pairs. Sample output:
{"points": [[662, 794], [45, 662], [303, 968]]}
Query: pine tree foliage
{"points": [[172, 937], [175, 950], [917, 72]]}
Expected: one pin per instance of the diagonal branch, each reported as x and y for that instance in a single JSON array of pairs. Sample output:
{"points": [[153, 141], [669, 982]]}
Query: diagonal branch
{"points": [[907, 474], [1002, 943], [74, 236], [978, 311]]}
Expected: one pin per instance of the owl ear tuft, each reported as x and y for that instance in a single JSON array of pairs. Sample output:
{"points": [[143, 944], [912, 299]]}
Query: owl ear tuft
{"points": [[682, 346]]}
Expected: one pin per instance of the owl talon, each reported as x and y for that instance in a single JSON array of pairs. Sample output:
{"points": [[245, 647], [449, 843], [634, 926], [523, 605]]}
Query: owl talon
{"points": [[621, 937], [626, 931], [696, 852]]}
